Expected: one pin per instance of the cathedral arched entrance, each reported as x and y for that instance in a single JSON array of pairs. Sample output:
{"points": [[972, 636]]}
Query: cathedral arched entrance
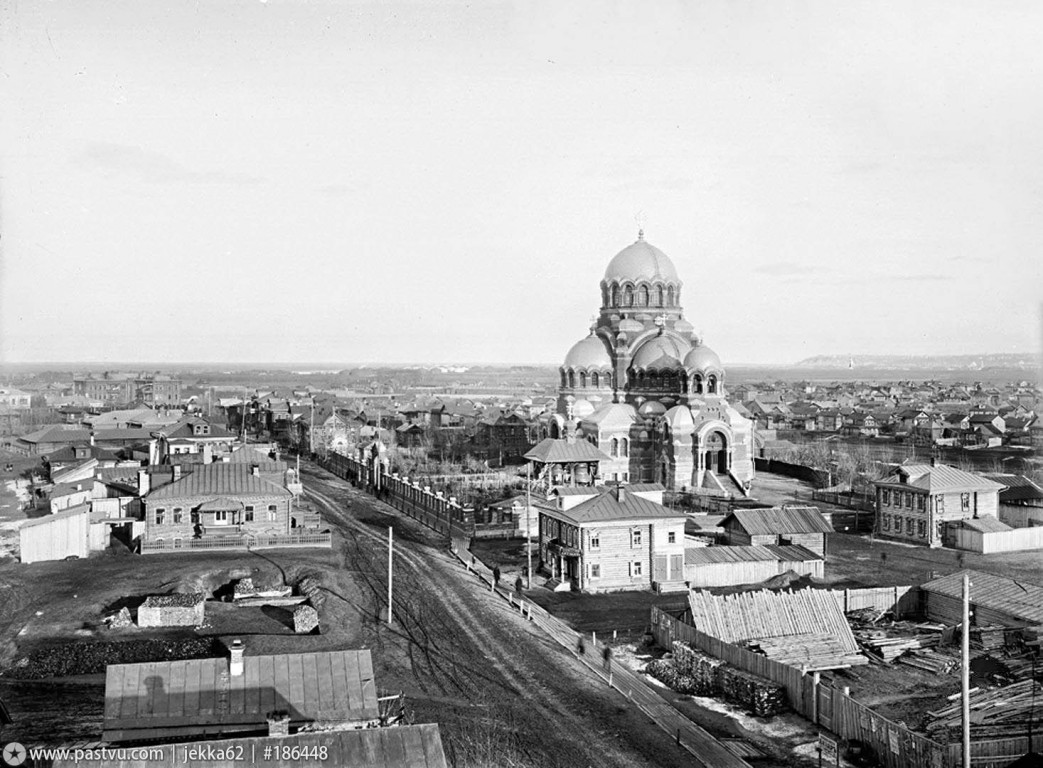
{"points": [[715, 453]]}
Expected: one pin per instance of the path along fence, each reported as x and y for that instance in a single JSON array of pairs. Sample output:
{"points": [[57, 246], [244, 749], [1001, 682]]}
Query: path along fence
{"points": [[238, 543], [705, 750], [832, 707]]}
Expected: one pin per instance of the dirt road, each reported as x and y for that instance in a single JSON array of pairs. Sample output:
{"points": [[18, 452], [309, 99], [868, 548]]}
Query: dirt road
{"points": [[503, 693]]}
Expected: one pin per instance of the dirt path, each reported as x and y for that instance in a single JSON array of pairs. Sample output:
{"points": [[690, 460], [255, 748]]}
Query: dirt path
{"points": [[503, 693]]}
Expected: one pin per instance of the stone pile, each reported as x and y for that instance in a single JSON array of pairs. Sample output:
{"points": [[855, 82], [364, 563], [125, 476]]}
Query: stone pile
{"points": [[305, 619]]}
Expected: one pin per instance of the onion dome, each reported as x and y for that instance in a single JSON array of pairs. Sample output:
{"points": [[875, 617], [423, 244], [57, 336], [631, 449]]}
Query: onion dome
{"points": [[582, 408], [659, 353], [652, 408], [680, 420], [702, 358], [641, 261], [589, 353], [683, 327], [628, 325]]}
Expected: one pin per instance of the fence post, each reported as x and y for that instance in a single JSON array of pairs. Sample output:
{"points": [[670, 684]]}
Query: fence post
{"points": [[846, 598]]}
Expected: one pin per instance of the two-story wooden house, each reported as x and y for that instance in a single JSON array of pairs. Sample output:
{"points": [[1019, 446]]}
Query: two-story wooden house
{"points": [[612, 538], [916, 501]]}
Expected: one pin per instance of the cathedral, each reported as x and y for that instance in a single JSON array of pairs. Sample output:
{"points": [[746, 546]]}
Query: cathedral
{"points": [[645, 389]]}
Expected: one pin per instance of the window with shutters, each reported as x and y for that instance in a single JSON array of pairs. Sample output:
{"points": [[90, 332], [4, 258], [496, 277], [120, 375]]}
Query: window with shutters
{"points": [[248, 513], [178, 513], [273, 513], [965, 502], [671, 538], [635, 568], [635, 537], [595, 570], [595, 540], [160, 516]]}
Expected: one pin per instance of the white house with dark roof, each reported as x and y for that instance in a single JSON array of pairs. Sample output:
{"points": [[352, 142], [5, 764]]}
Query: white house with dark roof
{"points": [[612, 539], [917, 502]]}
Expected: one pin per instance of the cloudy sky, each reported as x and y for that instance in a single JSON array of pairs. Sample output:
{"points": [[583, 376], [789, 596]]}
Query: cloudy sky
{"points": [[436, 182]]}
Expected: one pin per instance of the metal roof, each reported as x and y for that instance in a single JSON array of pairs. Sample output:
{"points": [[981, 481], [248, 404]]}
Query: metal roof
{"points": [[773, 553], [940, 478], [74, 511], [1019, 487], [616, 504], [333, 687], [791, 519], [551, 451], [999, 593], [984, 525], [219, 479]]}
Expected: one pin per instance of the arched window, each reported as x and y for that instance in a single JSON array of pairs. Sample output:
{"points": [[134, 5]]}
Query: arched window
{"points": [[583, 379], [595, 380], [642, 296], [684, 382], [697, 384], [615, 295], [624, 447], [572, 379], [659, 295], [604, 296], [564, 381], [670, 296], [711, 384], [628, 296], [653, 380], [615, 448]]}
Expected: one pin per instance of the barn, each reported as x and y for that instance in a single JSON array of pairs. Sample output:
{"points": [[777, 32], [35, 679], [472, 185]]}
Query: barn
{"points": [[728, 566], [789, 525], [995, 600]]}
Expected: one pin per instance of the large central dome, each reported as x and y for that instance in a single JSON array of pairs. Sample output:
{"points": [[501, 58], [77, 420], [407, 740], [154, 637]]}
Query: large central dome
{"points": [[641, 261]]}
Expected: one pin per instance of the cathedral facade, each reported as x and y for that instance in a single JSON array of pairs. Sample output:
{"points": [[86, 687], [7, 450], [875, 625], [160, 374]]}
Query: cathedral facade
{"points": [[646, 390]]}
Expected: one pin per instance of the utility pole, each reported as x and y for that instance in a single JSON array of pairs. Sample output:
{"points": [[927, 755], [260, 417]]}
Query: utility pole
{"points": [[528, 525], [391, 533], [965, 670]]}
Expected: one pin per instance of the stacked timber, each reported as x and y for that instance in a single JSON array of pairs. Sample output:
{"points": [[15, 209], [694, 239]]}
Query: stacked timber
{"points": [[762, 697], [929, 661], [809, 652], [698, 668], [996, 712], [887, 647], [988, 638]]}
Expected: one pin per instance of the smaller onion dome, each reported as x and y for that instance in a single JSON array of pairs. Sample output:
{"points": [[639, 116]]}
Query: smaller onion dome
{"points": [[582, 408], [652, 408], [628, 325], [680, 420], [661, 352], [589, 353], [683, 327], [702, 358]]}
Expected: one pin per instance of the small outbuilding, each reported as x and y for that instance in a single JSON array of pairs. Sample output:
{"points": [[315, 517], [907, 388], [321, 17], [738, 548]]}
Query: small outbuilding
{"points": [[729, 566], [789, 525], [996, 601]]}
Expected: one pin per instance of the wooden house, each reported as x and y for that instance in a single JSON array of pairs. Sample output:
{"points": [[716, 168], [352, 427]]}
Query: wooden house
{"points": [[206, 698], [996, 601], [916, 501], [612, 539], [1021, 501], [790, 525]]}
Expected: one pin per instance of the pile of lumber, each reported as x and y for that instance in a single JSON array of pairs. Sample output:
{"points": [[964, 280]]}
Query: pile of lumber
{"points": [[888, 647], [988, 638], [930, 661], [866, 616], [762, 697], [993, 712], [808, 652]]}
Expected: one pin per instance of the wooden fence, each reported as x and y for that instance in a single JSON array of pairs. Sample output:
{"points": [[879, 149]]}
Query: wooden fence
{"points": [[819, 701], [239, 543], [904, 601]]}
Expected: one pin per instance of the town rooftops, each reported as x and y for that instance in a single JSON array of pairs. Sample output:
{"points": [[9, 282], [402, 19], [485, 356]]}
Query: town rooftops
{"points": [[617, 503], [57, 433], [788, 519], [1018, 599], [551, 451], [219, 479], [205, 696], [940, 478]]}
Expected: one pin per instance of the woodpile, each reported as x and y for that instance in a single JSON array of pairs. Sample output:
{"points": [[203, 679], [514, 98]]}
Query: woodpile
{"points": [[691, 672], [809, 652], [936, 663], [996, 712], [888, 647]]}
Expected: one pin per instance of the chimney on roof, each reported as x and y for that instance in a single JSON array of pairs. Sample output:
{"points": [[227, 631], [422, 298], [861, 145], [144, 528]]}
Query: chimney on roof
{"points": [[92, 437], [278, 723], [144, 482], [208, 453], [621, 494], [235, 660]]}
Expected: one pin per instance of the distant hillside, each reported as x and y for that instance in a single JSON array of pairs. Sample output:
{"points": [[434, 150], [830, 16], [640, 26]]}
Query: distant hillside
{"points": [[1025, 362]]}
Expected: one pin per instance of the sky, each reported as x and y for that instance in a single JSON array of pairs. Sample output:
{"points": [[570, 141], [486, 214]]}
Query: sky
{"points": [[429, 182]]}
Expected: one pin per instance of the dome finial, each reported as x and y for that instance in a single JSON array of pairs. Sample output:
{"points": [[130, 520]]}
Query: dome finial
{"points": [[641, 234]]}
